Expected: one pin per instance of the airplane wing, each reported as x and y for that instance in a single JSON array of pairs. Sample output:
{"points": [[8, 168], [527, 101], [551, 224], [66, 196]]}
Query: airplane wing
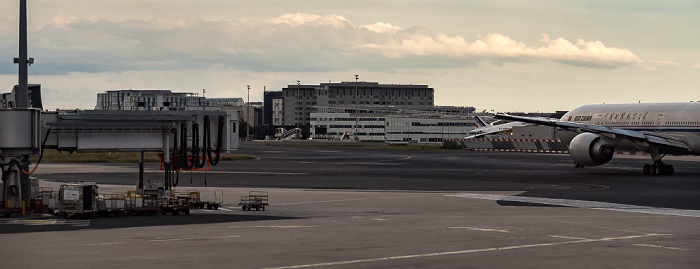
{"points": [[631, 135], [480, 135]]}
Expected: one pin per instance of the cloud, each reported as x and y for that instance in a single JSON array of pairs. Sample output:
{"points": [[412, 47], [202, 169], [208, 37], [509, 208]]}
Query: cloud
{"points": [[382, 28], [301, 19], [654, 65], [499, 47], [289, 43]]}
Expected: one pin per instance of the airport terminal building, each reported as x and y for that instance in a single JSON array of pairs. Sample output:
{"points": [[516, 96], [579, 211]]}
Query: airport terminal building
{"points": [[390, 125]]}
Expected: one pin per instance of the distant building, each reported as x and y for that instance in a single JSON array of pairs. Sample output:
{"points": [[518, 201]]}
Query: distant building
{"points": [[251, 113], [391, 128], [298, 99], [225, 101], [148, 100], [273, 111]]}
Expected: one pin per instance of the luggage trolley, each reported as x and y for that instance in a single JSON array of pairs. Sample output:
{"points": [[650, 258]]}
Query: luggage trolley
{"points": [[255, 199]]}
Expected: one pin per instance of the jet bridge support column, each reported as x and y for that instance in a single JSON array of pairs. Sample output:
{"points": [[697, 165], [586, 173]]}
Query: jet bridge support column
{"points": [[166, 160], [19, 137], [141, 170], [14, 186]]}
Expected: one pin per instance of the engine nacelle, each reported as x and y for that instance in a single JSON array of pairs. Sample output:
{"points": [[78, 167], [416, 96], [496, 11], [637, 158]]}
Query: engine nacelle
{"points": [[589, 149]]}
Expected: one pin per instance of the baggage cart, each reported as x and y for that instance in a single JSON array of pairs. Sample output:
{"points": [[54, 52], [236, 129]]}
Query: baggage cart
{"points": [[255, 199], [175, 205], [197, 203], [136, 204], [113, 204]]}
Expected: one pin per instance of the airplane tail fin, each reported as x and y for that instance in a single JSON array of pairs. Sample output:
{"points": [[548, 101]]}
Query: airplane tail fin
{"points": [[478, 122]]}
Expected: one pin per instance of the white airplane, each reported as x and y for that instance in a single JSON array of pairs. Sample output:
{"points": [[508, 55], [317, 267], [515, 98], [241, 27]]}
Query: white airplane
{"points": [[483, 129], [595, 132]]}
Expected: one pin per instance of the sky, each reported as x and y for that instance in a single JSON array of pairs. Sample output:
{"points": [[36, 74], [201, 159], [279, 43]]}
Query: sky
{"points": [[502, 56]]}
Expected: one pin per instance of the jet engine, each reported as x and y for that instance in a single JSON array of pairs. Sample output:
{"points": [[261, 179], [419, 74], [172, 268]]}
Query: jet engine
{"points": [[589, 149]]}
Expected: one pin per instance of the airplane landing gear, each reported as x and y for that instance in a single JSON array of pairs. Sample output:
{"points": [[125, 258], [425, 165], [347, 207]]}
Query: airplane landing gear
{"points": [[658, 168]]}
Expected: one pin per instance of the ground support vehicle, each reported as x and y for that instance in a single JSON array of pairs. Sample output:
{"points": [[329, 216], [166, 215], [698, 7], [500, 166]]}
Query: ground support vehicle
{"points": [[49, 200], [113, 204], [78, 199], [255, 199], [197, 203], [141, 205], [8, 211], [176, 204]]}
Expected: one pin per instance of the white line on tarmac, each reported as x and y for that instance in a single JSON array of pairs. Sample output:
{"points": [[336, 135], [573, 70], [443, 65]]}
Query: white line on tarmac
{"points": [[655, 246], [566, 237], [276, 227], [256, 173], [467, 251], [343, 200], [481, 229], [105, 244], [584, 204]]}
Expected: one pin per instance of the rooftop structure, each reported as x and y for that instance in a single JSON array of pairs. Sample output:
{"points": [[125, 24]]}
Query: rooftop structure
{"points": [[131, 99]]}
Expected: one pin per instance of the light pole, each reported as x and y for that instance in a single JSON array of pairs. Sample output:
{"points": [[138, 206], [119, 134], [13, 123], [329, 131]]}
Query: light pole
{"points": [[357, 112], [247, 115], [296, 100], [263, 115]]}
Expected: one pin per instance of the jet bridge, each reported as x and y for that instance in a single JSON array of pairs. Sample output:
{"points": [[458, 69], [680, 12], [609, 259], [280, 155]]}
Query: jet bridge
{"points": [[187, 140]]}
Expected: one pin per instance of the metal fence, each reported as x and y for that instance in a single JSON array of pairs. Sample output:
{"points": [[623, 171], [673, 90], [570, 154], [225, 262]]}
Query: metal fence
{"points": [[512, 145]]}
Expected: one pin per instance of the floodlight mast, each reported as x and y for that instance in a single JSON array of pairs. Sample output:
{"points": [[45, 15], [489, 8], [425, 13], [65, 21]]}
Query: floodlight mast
{"points": [[17, 138], [22, 95]]}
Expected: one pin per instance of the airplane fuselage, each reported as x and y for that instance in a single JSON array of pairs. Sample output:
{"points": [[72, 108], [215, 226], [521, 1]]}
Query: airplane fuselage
{"points": [[680, 121]]}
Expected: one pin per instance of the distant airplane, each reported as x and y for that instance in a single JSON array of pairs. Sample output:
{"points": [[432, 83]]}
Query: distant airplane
{"points": [[594, 132], [483, 129]]}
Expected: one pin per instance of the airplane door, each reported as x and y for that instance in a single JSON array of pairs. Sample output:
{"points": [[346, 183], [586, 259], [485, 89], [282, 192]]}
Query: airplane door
{"points": [[599, 119], [659, 121]]}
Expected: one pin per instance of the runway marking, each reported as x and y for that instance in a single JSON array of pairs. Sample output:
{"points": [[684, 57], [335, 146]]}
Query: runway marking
{"points": [[255, 173], [468, 251], [378, 219], [161, 239], [342, 200], [225, 209], [105, 244], [584, 204], [655, 246], [481, 229], [171, 239], [32, 222], [37, 222], [276, 226], [567, 237], [402, 159], [225, 236]]}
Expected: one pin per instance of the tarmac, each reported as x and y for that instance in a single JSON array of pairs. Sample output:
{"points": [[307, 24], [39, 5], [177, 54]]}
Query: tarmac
{"points": [[389, 208]]}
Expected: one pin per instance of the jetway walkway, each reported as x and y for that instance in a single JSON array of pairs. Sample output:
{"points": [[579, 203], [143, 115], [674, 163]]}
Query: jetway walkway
{"points": [[512, 145]]}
